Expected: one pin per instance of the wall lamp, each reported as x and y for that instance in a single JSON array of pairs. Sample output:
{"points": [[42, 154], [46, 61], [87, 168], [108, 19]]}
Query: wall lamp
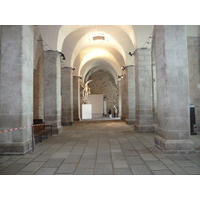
{"points": [[121, 76], [131, 54], [62, 55], [70, 68], [124, 67]]}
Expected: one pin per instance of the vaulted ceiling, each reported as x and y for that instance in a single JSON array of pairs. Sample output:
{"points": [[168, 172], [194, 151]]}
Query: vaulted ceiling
{"points": [[103, 46], [88, 46]]}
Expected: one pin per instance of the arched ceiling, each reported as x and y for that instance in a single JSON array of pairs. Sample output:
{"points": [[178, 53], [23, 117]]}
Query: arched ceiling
{"points": [[81, 51]]}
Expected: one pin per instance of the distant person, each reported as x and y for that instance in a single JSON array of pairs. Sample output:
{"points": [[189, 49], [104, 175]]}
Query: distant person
{"points": [[110, 113], [115, 111]]}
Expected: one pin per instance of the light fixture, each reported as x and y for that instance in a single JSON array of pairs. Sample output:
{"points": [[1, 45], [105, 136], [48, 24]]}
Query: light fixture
{"points": [[123, 67], [121, 76], [72, 68], [131, 54], [62, 55]]}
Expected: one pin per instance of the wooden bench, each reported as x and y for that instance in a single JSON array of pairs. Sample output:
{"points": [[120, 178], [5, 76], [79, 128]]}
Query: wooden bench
{"points": [[40, 129]]}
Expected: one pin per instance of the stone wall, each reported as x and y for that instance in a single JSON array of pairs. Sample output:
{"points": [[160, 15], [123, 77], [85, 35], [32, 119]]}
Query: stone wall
{"points": [[104, 83], [194, 74]]}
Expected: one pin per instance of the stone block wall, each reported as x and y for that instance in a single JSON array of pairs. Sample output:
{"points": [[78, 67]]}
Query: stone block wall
{"points": [[52, 89], [173, 90], [16, 86], [105, 84], [76, 98], [143, 77], [39, 90], [67, 96], [194, 73]]}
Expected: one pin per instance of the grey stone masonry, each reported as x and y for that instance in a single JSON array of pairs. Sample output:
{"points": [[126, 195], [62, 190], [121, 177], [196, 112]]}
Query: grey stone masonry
{"points": [[172, 90], [76, 98], [143, 85], [120, 98], [123, 99], [67, 96], [16, 86], [130, 94], [194, 76], [52, 89], [39, 90]]}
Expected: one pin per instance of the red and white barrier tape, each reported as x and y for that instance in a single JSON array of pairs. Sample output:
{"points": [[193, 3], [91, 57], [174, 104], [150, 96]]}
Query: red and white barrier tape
{"points": [[14, 129]]}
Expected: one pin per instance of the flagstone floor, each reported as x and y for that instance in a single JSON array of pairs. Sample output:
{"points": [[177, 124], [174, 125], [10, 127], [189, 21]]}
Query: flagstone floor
{"points": [[101, 148]]}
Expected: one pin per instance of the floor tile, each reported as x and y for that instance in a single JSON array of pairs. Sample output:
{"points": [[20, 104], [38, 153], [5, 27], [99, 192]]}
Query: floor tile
{"points": [[148, 157], [33, 166], [134, 160], [162, 172], [86, 163], [176, 169], [72, 159], [103, 159], [52, 163], [103, 169], [125, 171], [156, 165], [120, 164], [46, 171], [12, 169], [83, 171], [66, 168], [140, 170]]}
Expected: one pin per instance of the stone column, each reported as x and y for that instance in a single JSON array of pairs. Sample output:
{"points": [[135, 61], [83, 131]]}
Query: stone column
{"points": [[39, 90], [123, 99], [67, 96], [120, 98], [76, 98], [172, 90], [16, 86], [52, 89], [130, 94], [143, 74]]}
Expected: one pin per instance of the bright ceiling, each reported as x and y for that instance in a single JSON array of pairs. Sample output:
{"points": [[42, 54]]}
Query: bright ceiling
{"points": [[82, 51]]}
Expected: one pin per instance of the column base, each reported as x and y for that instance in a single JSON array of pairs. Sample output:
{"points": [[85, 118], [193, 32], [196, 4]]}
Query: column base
{"points": [[123, 118], [144, 128], [66, 123], [174, 146], [77, 119], [57, 130], [17, 148], [130, 121]]}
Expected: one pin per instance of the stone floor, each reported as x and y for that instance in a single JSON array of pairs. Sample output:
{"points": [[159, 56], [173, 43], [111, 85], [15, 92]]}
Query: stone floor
{"points": [[100, 148]]}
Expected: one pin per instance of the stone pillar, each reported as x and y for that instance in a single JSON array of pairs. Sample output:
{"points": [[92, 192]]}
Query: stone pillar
{"points": [[130, 94], [76, 98], [123, 99], [143, 74], [119, 99], [39, 90], [16, 86], [67, 96], [52, 89], [172, 90]]}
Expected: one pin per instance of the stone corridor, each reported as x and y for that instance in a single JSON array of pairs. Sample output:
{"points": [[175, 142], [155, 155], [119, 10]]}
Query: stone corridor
{"points": [[100, 148]]}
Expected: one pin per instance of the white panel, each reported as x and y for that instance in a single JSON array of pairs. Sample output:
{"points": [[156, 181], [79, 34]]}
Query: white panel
{"points": [[97, 104], [86, 111]]}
